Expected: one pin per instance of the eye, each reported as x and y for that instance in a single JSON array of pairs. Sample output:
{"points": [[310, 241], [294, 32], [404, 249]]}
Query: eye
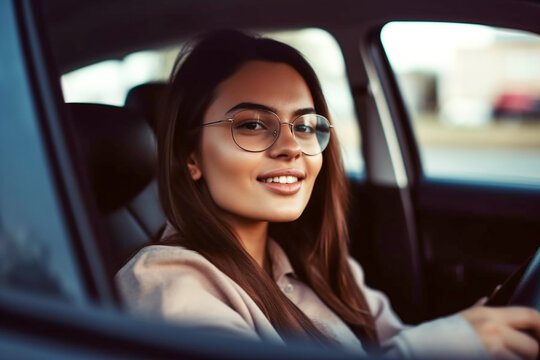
{"points": [[323, 128], [251, 125], [303, 129]]}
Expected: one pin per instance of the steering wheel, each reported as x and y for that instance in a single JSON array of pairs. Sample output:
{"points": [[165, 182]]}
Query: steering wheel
{"points": [[522, 287], [528, 290]]}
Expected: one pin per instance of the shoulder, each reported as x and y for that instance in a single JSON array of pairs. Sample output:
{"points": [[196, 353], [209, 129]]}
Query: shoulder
{"points": [[174, 282], [165, 277], [164, 260], [178, 284], [162, 265], [161, 254]]}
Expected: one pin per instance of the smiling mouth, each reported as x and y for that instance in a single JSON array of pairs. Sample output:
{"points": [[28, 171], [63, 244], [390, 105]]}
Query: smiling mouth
{"points": [[282, 185], [280, 179]]}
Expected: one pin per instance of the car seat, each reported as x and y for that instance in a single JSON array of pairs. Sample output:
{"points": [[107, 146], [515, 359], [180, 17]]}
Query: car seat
{"points": [[118, 150], [147, 99]]}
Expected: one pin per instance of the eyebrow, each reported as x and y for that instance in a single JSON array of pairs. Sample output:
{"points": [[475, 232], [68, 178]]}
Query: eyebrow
{"points": [[255, 106]]}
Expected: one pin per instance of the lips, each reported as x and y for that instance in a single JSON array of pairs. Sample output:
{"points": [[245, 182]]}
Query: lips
{"points": [[283, 182]]}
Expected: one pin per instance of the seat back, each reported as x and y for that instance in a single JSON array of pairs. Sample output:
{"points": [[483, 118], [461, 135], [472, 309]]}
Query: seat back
{"points": [[118, 150], [147, 99]]}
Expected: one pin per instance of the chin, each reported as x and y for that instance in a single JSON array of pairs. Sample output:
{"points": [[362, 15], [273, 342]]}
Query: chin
{"points": [[283, 216]]}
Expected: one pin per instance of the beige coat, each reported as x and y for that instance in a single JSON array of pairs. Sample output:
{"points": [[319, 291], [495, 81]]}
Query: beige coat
{"points": [[181, 285]]}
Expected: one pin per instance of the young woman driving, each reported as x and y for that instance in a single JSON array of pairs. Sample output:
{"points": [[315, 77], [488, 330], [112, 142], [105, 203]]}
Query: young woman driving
{"points": [[252, 185]]}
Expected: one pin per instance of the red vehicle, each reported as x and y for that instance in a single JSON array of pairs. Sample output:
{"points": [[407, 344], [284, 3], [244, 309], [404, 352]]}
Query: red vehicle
{"points": [[517, 106]]}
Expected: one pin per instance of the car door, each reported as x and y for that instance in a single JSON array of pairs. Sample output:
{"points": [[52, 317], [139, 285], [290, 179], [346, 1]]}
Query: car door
{"points": [[466, 178]]}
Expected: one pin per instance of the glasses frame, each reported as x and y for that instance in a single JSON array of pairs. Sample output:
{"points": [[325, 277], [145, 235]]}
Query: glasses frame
{"points": [[281, 123]]}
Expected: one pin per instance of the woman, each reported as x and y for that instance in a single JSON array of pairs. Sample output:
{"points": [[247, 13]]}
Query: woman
{"points": [[252, 185]]}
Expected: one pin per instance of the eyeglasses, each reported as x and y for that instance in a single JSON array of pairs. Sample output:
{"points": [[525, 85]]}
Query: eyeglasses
{"points": [[258, 130]]}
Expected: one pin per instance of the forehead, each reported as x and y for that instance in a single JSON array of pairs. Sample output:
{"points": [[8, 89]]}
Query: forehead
{"points": [[277, 85]]}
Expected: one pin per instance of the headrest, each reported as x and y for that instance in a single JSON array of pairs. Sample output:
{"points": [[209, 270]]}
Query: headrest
{"points": [[147, 99], [117, 148]]}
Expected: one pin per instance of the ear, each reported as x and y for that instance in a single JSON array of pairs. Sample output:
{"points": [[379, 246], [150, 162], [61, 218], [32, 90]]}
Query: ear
{"points": [[194, 167]]}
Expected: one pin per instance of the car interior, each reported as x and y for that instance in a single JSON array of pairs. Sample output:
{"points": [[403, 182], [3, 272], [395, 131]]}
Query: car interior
{"points": [[454, 253], [433, 245], [119, 161]]}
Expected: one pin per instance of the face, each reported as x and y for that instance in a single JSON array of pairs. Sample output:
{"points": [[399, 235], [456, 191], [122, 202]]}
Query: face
{"points": [[238, 179]]}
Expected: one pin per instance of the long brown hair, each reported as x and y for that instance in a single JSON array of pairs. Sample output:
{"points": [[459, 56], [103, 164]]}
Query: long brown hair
{"points": [[316, 242]]}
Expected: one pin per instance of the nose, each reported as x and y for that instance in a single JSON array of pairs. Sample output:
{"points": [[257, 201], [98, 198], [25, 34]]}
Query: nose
{"points": [[286, 145]]}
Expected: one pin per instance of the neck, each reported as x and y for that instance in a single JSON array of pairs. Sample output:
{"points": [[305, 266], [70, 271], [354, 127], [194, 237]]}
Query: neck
{"points": [[252, 235]]}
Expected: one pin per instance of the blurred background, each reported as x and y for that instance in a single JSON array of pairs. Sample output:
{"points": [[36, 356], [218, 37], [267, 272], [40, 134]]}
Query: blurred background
{"points": [[473, 95]]}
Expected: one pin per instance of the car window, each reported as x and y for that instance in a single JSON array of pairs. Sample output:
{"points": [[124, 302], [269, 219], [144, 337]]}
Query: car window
{"points": [[108, 82], [35, 252], [472, 93], [323, 53]]}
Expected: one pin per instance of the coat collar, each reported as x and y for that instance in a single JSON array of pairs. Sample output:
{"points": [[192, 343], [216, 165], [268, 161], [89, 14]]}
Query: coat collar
{"points": [[281, 266]]}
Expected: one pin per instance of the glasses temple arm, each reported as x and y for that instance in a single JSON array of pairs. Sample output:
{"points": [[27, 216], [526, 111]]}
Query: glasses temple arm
{"points": [[217, 122]]}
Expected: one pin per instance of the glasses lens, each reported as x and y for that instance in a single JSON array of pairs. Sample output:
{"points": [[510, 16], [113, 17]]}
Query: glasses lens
{"points": [[255, 130], [312, 132]]}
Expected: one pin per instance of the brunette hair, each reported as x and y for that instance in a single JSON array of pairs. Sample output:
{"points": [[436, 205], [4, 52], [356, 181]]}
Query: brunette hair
{"points": [[316, 243]]}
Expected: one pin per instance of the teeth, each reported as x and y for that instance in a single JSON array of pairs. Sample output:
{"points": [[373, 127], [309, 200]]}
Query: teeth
{"points": [[282, 179]]}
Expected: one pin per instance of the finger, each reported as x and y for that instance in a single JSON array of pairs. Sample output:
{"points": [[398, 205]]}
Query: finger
{"points": [[520, 343], [517, 317], [497, 288], [481, 302]]}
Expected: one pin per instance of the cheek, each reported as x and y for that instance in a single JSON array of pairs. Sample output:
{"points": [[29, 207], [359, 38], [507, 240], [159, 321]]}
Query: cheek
{"points": [[227, 169], [314, 166], [231, 176], [316, 163]]}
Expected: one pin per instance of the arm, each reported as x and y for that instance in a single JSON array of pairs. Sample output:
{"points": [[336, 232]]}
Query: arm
{"points": [[449, 336]]}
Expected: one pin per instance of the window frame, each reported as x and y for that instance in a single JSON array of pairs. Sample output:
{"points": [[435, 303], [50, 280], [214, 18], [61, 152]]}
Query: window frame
{"points": [[77, 206]]}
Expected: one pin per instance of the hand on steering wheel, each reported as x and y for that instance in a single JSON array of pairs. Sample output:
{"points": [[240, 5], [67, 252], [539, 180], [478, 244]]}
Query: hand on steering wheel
{"points": [[509, 332], [512, 332]]}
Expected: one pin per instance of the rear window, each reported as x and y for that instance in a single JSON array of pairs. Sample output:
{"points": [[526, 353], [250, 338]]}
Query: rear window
{"points": [[108, 82]]}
